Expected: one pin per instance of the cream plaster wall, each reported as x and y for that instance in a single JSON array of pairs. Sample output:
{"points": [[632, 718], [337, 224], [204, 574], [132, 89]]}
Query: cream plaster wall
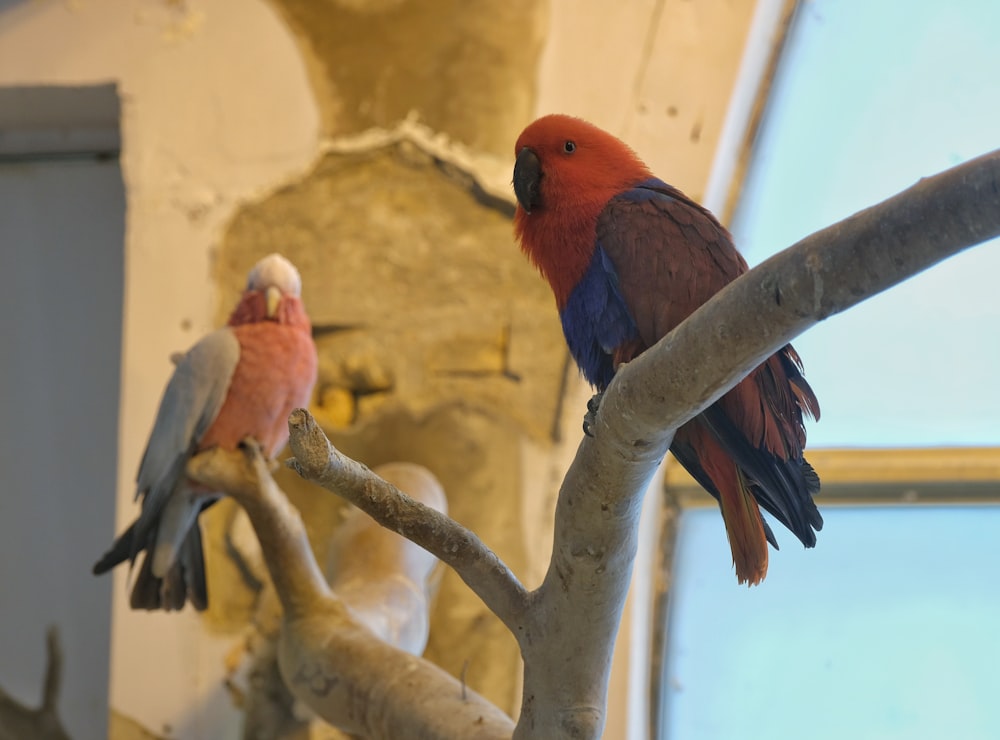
{"points": [[657, 73]]}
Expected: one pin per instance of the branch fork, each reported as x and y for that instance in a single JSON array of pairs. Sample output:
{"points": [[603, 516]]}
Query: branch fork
{"points": [[566, 628]]}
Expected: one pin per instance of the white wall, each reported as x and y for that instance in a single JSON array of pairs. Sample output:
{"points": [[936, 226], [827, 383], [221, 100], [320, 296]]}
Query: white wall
{"points": [[215, 108]]}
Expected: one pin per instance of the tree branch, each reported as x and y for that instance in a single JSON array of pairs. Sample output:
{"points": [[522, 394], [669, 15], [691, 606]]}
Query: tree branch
{"points": [[567, 628], [317, 460], [822, 275], [329, 659], [384, 578], [245, 476], [688, 370], [42, 723]]}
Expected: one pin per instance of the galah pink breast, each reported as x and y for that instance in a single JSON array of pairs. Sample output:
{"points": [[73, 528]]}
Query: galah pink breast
{"points": [[240, 381]]}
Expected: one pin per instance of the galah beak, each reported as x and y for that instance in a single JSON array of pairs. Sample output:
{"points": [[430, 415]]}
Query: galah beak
{"points": [[273, 297]]}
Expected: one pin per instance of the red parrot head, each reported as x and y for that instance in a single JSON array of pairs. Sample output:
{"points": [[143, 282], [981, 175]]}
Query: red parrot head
{"points": [[565, 173], [562, 160]]}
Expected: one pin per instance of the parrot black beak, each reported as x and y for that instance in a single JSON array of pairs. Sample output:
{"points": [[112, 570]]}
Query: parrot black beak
{"points": [[527, 179]]}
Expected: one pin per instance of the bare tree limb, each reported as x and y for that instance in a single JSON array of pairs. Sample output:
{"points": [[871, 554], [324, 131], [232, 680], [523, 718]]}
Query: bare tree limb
{"points": [[329, 659], [383, 577], [42, 723], [822, 275], [317, 460], [245, 476], [567, 627]]}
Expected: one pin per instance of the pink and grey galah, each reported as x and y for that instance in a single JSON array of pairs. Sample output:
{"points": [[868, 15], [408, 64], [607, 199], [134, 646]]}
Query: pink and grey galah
{"points": [[240, 381]]}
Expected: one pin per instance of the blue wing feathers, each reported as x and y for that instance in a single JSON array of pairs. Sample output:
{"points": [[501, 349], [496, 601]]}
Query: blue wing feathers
{"points": [[596, 321]]}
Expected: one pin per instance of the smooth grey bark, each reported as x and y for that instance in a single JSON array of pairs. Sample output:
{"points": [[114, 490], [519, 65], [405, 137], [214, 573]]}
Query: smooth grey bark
{"points": [[567, 656], [339, 651], [689, 370]]}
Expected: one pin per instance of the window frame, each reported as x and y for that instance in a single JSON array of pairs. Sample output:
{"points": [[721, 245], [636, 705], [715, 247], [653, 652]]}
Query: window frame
{"points": [[903, 477]]}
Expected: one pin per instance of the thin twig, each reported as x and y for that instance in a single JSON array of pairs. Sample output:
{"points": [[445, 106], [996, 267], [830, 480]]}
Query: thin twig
{"points": [[317, 460], [566, 629]]}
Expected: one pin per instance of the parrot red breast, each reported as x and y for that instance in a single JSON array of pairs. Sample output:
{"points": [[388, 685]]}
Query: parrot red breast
{"points": [[629, 257], [240, 381]]}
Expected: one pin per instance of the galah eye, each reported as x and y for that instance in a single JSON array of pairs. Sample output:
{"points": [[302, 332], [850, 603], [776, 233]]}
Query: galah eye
{"points": [[569, 147]]}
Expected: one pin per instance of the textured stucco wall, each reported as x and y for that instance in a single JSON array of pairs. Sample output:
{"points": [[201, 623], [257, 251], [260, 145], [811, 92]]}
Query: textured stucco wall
{"points": [[437, 341], [428, 317], [468, 68], [437, 345]]}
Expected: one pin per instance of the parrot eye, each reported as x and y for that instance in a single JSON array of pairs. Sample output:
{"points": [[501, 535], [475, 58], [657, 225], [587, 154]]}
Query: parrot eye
{"points": [[569, 147]]}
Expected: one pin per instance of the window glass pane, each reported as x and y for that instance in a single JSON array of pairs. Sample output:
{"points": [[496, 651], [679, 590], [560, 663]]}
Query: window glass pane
{"points": [[887, 629], [871, 96]]}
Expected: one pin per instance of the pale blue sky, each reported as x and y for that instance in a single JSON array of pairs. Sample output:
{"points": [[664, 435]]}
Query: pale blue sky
{"points": [[870, 97], [887, 629]]}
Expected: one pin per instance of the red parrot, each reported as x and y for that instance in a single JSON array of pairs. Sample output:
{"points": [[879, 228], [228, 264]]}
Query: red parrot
{"points": [[629, 258], [241, 380]]}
